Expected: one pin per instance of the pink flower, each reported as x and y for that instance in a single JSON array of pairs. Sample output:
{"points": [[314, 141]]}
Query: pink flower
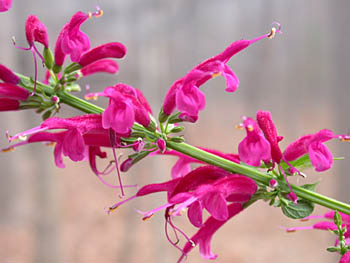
{"points": [[36, 32], [254, 148], [11, 91], [205, 233], [7, 75], [126, 105], [320, 156], [100, 66], [345, 258], [9, 104], [108, 50], [5, 5], [206, 187], [71, 41], [184, 94], [70, 142]]}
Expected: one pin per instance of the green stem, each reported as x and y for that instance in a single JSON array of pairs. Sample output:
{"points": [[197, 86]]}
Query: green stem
{"points": [[196, 153]]}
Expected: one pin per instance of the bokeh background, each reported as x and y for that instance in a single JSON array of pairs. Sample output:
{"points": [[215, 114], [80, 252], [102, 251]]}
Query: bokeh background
{"points": [[54, 215]]}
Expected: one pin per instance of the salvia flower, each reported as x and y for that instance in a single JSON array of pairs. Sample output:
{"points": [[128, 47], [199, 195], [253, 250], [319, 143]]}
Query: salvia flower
{"points": [[205, 233], [184, 94], [108, 50], [99, 66], [35, 32], [5, 5], [69, 142], [11, 96], [71, 40], [254, 148], [312, 144], [206, 187], [7, 75], [126, 105]]}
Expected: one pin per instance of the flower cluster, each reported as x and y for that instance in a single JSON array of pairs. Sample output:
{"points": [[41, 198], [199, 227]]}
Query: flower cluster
{"points": [[224, 184]]}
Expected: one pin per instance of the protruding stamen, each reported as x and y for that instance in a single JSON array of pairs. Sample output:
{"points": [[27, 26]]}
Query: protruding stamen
{"points": [[49, 143], [272, 33], [344, 138], [97, 13], [9, 149], [274, 30], [147, 217], [214, 75], [239, 126]]}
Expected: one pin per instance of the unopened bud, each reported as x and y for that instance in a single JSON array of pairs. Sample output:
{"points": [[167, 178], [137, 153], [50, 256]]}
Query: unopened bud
{"points": [[161, 145], [125, 166], [138, 145], [177, 129], [177, 139], [48, 58], [162, 117], [293, 197], [56, 68], [273, 183]]}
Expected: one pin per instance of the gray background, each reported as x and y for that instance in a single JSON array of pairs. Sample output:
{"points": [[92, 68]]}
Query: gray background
{"points": [[302, 76]]}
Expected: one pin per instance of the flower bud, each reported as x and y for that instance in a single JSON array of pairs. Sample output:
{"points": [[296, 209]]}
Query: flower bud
{"points": [[161, 145], [273, 183], [6, 75], [48, 58], [125, 166]]}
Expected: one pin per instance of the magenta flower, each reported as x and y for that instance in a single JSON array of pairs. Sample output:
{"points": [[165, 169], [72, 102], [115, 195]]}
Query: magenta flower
{"points": [[108, 50], [205, 233], [254, 148], [7, 75], [99, 66], [184, 94], [320, 156], [9, 104], [126, 105], [36, 32], [5, 5], [71, 41], [69, 142], [207, 187], [11, 91], [345, 258]]}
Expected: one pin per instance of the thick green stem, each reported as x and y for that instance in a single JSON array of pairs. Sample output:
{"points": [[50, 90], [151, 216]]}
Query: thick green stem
{"points": [[196, 153]]}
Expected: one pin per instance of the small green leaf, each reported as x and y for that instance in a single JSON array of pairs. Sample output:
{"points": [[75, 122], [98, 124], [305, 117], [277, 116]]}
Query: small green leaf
{"points": [[332, 249], [177, 139], [298, 211], [310, 187]]}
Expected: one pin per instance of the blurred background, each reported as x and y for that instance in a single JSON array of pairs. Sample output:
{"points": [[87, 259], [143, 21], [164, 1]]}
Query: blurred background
{"points": [[54, 215]]}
